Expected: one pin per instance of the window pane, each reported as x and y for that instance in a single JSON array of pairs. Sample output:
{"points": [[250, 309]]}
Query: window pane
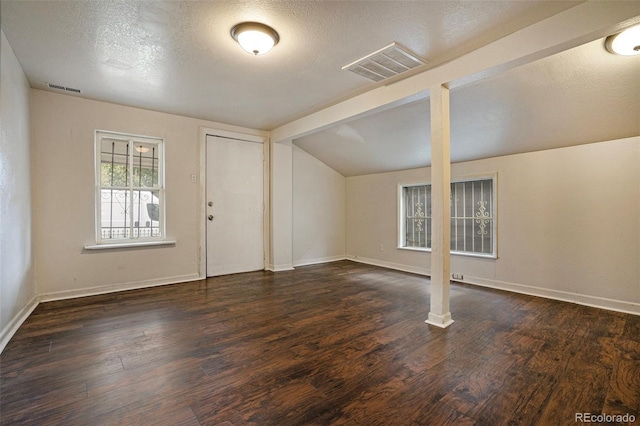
{"points": [[467, 199], [146, 214], [114, 214], [457, 234], [415, 199], [468, 230], [145, 165], [487, 239], [456, 204], [114, 162]]}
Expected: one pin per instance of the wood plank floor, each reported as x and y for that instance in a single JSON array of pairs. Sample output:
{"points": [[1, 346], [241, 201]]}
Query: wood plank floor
{"points": [[341, 344]]}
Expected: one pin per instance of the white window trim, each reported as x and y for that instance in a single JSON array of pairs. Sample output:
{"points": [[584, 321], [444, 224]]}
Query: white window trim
{"points": [[465, 178], [129, 242]]}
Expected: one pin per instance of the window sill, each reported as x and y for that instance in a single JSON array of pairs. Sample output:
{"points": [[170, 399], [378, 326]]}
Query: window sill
{"points": [[415, 249], [453, 253], [129, 245]]}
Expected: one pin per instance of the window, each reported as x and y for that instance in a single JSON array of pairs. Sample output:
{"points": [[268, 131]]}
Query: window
{"points": [[472, 217], [417, 217], [129, 188]]}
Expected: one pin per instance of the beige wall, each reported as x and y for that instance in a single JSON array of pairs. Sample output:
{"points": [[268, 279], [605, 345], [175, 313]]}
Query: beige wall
{"points": [[372, 205], [319, 209], [63, 141], [17, 285], [568, 223]]}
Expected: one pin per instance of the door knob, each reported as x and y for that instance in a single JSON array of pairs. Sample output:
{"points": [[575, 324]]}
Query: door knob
{"points": [[210, 217]]}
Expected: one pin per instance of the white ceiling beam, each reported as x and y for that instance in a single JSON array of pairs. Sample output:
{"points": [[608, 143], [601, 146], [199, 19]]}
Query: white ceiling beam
{"points": [[573, 27]]}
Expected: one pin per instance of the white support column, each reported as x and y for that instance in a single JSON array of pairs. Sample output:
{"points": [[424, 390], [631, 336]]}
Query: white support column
{"points": [[439, 314], [281, 247]]}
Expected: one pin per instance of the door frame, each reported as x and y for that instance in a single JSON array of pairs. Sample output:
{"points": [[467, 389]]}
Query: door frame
{"points": [[262, 138]]}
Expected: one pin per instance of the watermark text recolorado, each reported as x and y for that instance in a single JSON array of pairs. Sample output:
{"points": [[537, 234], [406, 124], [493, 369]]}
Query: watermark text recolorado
{"points": [[604, 418]]}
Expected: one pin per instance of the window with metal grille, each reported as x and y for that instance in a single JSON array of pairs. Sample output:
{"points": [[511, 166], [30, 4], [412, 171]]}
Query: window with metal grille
{"points": [[416, 201], [129, 188], [472, 217]]}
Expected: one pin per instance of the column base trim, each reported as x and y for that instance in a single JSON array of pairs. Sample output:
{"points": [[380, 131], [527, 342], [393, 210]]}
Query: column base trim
{"points": [[442, 321]]}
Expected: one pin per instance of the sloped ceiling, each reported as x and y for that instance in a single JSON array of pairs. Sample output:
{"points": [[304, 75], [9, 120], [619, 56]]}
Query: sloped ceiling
{"points": [[579, 96]]}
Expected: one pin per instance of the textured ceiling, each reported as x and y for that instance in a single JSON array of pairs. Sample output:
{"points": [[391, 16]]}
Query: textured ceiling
{"points": [[178, 56]]}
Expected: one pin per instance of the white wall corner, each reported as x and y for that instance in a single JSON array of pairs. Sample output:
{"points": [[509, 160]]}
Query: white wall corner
{"points": [[390, 265], [281, 202], [329, 259], [12, 327]]}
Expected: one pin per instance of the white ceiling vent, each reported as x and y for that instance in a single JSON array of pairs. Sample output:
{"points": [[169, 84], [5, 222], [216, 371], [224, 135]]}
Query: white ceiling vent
{"points": [[58, 87], [385, 63]]}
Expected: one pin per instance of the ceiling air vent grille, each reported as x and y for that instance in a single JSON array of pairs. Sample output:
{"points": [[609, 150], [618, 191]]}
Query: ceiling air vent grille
{"points": [[385, 63], [58, 87]]}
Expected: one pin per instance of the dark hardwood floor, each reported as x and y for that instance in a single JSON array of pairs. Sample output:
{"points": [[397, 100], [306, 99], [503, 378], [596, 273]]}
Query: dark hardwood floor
{"points": [[341, 344]]}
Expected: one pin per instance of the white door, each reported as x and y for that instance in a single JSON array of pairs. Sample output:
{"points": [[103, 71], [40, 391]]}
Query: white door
{"points": [[234, 208]]}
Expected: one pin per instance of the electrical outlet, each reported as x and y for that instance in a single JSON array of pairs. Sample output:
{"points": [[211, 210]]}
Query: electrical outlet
{"points": [[457, 276], [194, 178], [381, 247]]}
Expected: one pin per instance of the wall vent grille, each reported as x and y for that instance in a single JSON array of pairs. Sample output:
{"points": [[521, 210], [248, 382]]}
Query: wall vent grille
{"points": [[67, 89], [385, 63]]}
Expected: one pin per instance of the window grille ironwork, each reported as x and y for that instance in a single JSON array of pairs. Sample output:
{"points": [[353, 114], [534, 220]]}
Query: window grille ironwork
{"points": [[417, 207], [472, 216]]}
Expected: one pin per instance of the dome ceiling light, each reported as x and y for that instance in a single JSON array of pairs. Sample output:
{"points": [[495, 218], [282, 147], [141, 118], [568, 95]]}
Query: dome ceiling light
{"points": [[626, 43], [255, 38]]}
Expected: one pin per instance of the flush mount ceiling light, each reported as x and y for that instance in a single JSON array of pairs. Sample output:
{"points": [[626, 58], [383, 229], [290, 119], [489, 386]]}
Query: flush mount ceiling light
{"points": [[255, 38], [142, 149], [626, 43]]}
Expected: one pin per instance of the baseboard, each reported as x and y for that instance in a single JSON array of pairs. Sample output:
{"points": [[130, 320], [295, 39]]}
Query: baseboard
{"points": [[564, 296], [307, 262], [280, 268], [580, 299], [390, 265], [13, 326], [113, 288]]}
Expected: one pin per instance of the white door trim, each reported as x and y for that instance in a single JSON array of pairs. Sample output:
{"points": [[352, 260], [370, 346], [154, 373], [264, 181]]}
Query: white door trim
{"points": [[202, 177]]}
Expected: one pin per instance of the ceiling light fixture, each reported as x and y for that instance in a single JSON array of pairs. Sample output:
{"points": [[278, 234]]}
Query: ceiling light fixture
{"points": [[254, 37], [142, 149], [626, 43]]}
